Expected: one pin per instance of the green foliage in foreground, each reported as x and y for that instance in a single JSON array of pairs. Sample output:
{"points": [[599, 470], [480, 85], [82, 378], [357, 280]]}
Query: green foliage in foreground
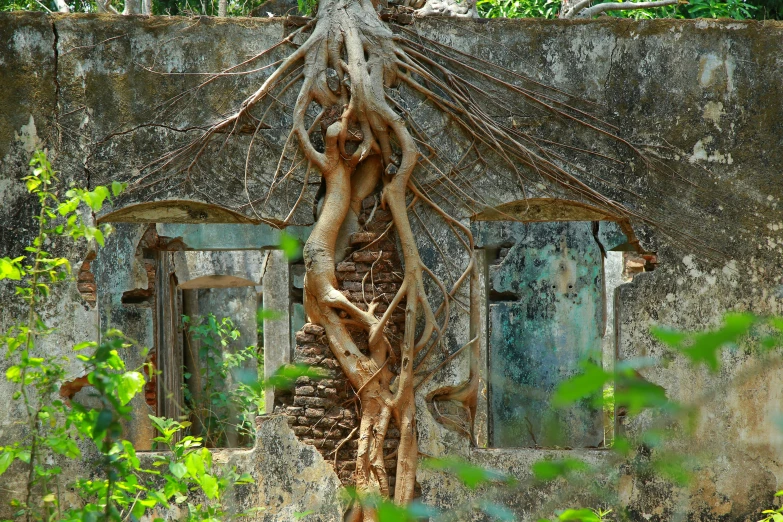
{"points": [[626, 390]]}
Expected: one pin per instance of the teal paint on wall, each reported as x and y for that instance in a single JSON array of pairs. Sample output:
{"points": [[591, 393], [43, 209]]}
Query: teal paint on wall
{"points": [[546, 314], [223, 236]]}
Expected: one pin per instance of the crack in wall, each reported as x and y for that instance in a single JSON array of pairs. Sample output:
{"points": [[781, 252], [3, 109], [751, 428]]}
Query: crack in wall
{"points": [[57, 93], [611, 64]]}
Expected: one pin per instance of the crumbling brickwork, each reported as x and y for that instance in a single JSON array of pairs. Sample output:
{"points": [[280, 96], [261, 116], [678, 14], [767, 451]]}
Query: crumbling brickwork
{"points": [[325, 413], [85, 281]]}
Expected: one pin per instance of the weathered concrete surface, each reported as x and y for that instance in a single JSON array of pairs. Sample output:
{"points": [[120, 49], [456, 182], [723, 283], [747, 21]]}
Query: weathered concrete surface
{"points": [[276, 299], [223, 236], [218, 269], [292, 477], [703, 96]]}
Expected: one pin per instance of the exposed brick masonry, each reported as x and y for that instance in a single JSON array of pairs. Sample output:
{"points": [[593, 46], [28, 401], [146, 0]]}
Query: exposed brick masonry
{"points": [[325, 412], [85, 281]]}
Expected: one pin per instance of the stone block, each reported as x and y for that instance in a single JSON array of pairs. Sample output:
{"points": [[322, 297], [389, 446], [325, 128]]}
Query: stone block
{"points": [[314, 412], [345, 266], [313, 329]]}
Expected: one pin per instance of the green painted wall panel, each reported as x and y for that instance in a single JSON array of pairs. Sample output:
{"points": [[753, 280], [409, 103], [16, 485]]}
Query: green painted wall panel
{"points": [[546, 314]]}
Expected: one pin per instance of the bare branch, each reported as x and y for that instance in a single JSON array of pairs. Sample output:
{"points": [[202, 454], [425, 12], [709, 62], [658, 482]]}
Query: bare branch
{"points": [[576, 8], [622, 6]]}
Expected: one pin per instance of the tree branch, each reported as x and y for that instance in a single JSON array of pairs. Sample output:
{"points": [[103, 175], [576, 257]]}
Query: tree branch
{"points": [[611, 6], [575, 9]]}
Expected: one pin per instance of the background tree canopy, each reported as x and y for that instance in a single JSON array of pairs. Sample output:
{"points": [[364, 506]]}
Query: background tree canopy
{"points": [[736, 9]]}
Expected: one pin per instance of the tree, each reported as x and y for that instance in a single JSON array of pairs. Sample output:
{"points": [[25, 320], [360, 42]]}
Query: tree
{"points": [[351, 127]]}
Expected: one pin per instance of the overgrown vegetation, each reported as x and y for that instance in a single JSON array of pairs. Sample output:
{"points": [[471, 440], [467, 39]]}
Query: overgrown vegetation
{"points": [[352, 128], [60, 430], [667, 420], [225, 392]]}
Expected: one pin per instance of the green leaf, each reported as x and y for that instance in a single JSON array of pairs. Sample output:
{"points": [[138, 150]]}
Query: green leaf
{"points": [[245, 478], [705, 347], [579, 515], [102, 422], [159, 497], [138, 510], [673, 466], [547, 469], [13, 373], [290, 246], [469, 474], [9, 270], [118, 188], [264, 314], [637, 394], [195, 465], [589, 383], [98, 236], [389, 512], [178, 469], [6, 458], [86, 344], [668, 336], [285, 377], [96, 197], [131, 383], [210, 486], [32, 184], [68, 206]]}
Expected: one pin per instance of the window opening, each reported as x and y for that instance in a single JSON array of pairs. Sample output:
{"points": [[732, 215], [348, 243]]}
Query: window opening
{"points": [[144, 284], [222, 365], [547, 312]]}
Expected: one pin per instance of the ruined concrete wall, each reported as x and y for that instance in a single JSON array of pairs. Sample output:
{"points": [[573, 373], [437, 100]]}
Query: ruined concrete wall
{"points": [[703, 97]]}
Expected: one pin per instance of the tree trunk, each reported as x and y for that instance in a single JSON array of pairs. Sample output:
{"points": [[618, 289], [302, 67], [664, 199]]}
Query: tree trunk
{"points": [[565, 8], [132, 7]]}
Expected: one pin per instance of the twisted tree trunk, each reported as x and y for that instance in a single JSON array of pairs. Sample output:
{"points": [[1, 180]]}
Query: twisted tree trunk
{"points": [[356, 47]]}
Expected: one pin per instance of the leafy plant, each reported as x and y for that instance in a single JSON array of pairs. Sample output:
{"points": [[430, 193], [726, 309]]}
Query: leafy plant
{"points": [[190, 468], [119, 487], [518, 8], [37, 376], [773, 515], [222, 398]]}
